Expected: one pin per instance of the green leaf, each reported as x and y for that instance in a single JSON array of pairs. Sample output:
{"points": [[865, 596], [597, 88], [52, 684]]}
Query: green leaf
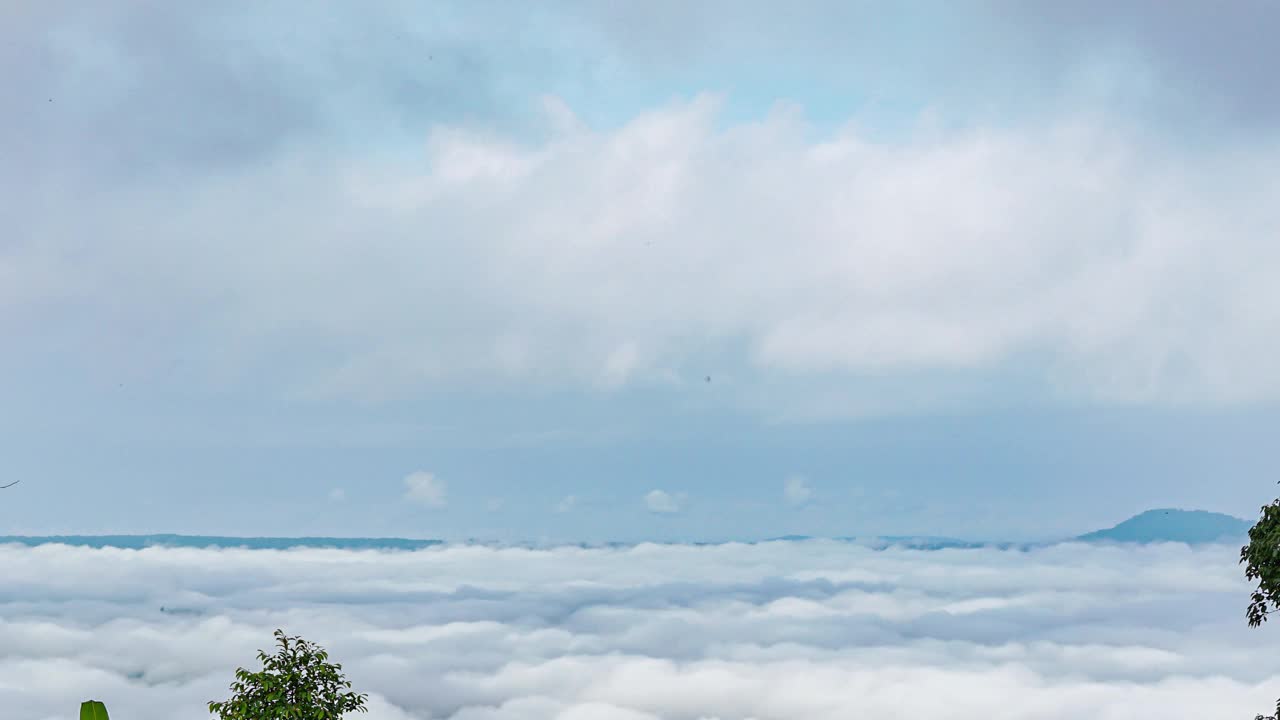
{"points": [[297, 681], [93, 710]]}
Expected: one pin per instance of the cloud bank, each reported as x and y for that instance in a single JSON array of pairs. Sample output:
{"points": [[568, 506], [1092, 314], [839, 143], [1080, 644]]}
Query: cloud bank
{"points": [[775, 631], [1100, 234], [1074, 254]]}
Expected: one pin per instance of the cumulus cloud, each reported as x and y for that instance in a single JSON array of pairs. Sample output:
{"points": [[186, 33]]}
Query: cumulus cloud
{"points": [[796, 491], [816, 630], [1067, 246], [914, 256], [663, 502], [425, 488]]}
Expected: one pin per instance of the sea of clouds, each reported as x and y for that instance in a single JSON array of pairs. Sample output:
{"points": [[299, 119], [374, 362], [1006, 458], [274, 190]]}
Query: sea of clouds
{"points": [[812, 630]]}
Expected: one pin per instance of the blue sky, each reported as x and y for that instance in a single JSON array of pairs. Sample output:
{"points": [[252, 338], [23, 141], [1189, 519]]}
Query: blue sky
{"points": [[462, 270]]}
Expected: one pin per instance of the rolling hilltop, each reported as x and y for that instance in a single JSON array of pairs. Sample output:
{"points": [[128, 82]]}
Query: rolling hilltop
{"points": [[1171, 525]]}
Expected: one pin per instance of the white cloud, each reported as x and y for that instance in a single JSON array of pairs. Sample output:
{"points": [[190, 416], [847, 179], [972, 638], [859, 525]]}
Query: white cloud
{"points": [[1092, 262], [660, 501], [567, 503], [337, 495], [425, 489], [775, 631], [796, 491]]}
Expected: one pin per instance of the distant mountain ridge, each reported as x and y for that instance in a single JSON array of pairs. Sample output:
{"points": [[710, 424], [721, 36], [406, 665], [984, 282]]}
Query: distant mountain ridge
{"points": [[138, 542], [1160, 525], [1173, 525]]}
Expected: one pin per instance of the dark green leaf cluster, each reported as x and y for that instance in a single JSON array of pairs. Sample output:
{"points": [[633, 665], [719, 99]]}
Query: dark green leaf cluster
{"points": [[297, 683], [1262, 563], [1261, 558]]}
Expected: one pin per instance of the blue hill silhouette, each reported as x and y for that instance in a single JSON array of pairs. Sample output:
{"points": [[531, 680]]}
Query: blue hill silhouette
{"points": [[1172, 525], [138, 542], [1162, 525]]}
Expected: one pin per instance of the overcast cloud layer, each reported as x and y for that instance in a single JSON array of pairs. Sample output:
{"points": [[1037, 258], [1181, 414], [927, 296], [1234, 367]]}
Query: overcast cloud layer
{"points": [[1116, 271], [778, 631], [260, 262], [340, 212]]}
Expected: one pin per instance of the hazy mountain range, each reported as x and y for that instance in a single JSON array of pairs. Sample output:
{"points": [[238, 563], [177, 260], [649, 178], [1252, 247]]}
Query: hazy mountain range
{"points": [[1160, 525], [1171, 525]]}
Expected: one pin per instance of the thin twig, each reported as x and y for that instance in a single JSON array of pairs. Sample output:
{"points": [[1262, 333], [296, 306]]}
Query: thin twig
{"points": [[15, 482]]}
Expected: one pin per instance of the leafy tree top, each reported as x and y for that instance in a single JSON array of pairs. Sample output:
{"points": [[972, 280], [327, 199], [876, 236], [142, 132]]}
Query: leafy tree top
{"points": [[296, 683], [1262, 563], [1261, 558]]}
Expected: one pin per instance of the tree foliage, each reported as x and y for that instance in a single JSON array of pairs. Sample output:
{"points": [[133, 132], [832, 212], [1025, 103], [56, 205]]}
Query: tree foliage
{"points": [[1262, 563], [296, 683], [1261, 558]]}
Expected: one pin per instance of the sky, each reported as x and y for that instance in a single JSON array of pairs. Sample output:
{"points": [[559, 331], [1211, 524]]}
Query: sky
{"points": [[817, 630], [668, 271]]}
